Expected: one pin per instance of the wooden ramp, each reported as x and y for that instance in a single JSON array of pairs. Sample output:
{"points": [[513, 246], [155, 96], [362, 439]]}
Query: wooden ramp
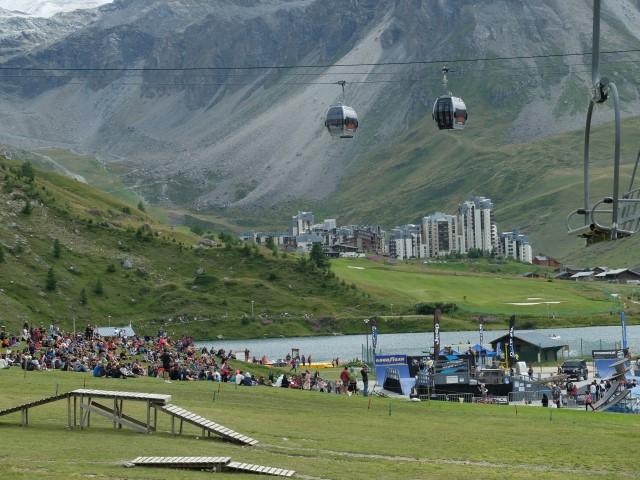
{"points": [[258, 469], [216, 464], [35, 403], [155, 398], [24, 408], [208, 427], [119, 418]]}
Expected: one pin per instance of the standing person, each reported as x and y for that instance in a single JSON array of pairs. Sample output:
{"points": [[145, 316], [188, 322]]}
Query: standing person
{"points": [[530, 372], [344, 378], [555, 392], [545, 400], [309, 360], [593, 390], [353, 381], [365, 379], [246, 354], [588, 401], [303, 360], [166, 365]]}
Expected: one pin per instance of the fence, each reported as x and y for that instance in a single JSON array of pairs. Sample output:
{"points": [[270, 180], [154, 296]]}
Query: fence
{"points": [[528, 397], [449, 397]]}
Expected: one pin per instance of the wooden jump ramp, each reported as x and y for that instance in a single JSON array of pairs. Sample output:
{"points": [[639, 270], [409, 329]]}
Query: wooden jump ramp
{"points": [[214, 464], [82, 403]]}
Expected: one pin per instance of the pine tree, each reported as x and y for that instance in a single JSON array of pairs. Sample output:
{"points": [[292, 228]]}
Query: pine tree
{"points": [[26, 171], [51, 280], [1, 254], [98, 290], [57, 250], [111, 268], [83, 297], [27, 208], [141, 206], [317, 257]]}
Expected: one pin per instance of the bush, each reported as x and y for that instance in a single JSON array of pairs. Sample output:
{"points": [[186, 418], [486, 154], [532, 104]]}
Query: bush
{"points": [[51, 280], [26, 171], [111, 268], [197, 229], [98, 290], [27, 208], [430, 308], [57, 250], [83, 297]]}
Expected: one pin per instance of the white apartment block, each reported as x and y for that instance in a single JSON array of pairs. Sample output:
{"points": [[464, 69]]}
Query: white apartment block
{"points": [[515, 245], [404, 242], [301, 223], [477, 225], [441, 236]]}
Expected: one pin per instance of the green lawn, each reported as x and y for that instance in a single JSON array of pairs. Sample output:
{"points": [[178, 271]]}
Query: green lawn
{"points": [[475, 292], [318, 435]]}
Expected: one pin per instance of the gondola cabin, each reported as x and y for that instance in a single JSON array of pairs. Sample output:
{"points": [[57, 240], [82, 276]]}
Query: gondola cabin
{"points": [[341, 121], [450, 113]]}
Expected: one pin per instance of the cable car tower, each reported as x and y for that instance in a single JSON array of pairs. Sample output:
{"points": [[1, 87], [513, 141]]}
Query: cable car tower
{"points": [[341, 120], [449, 112], [616, 216]]}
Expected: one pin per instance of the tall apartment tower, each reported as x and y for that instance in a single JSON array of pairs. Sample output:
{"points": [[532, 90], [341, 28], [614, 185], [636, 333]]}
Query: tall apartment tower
{"points": [[516, 245], [301, 223], [477, 224], [441, 236]]}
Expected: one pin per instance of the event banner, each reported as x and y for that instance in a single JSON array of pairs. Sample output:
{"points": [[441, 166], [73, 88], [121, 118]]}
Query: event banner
{"points": [[436, 333], [481, 328], [374, 335], [512, 326]]}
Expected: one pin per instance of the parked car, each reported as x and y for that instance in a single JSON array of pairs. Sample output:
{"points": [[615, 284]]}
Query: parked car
{"points": [[575, 369]]}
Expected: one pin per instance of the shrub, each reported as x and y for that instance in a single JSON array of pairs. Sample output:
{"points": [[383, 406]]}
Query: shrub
{"points": [[51, 280]]}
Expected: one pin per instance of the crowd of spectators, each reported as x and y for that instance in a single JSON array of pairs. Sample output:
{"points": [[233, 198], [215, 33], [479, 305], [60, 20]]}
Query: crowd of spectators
{"points": [[37, 348]]}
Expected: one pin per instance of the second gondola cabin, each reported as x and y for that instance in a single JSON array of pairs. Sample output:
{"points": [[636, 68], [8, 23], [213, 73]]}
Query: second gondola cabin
{"points": [[450, 113], [341, 121]]}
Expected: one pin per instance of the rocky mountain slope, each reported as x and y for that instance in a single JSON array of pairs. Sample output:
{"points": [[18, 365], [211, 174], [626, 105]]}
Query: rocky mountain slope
{"points": [[244, 139]]}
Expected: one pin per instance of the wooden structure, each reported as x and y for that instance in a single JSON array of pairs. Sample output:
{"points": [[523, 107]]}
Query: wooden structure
{"points": [[208, 427], [214, 464], [82, 403]]}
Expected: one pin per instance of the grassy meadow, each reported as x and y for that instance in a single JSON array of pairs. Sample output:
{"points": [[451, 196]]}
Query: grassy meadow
{"points": [[475, 288], [321, 436]]}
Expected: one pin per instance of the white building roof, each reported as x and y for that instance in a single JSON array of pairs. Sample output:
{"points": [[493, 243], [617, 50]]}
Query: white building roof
{"points": [[582, 275]]}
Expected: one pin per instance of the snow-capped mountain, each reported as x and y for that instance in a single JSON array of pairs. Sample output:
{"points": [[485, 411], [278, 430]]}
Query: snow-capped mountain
{"points": [[48, 8]]}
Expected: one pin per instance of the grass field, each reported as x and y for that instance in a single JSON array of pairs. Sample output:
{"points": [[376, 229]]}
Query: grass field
{"points": [[321, 436], [488, 293]]}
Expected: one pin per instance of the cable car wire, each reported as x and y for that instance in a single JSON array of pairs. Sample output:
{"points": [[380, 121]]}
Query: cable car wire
{"points": [[334, 65]]}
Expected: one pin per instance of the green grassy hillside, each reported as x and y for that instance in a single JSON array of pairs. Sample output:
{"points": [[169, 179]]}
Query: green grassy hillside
{"points": [[485, 289], [134, 269]]}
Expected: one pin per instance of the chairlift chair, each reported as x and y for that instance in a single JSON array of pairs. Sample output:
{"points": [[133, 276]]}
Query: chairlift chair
{"points": [[618, 215]]}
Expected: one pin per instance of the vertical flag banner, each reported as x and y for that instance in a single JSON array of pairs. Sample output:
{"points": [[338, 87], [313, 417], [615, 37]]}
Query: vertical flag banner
{"points": [[436, 333], [481, 328], [374, 335], [512, 323], [624, 330]]}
